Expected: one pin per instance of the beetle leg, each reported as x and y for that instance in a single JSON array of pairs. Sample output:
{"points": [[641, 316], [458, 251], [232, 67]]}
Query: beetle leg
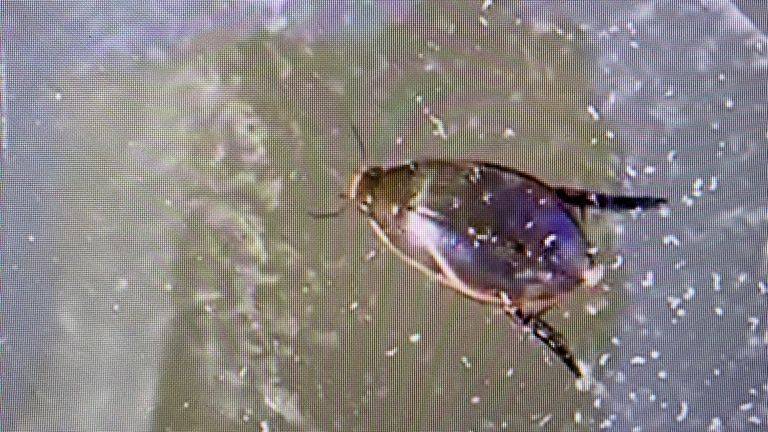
{"points": [[582, 199], [544, 332]]}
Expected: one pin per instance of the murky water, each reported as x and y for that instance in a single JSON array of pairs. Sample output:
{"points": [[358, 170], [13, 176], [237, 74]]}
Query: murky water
{"points": [[161, 272]]}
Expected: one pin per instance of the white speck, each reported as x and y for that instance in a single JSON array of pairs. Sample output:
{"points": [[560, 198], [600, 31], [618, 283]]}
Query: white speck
{"points": [[31, 238], [509, 133], [483, 21], [414, 338], [630, 171], [529, 225], [721, 77], [353, 306], [603, 360], [686, 200], [683, 411], [593, 112], [697, 184], [465, 361], [510, 372], [545, 420], [746, 406], [655, 354], [591, 309], [689, 293], [637, 360], [475, 400], [650, 169], [549, 240], [439, 127], [617, 262], [395, 209], [674, 302], [716, 278], [392, 352], [57, 95], [116, 308], [577, 417], [671, 239], [662, 374], [371, 255], [264, 426], [715, 425], [713, 183], [753, 323], [762, 288], [729, 103], [647, 280], [616, 341], [419, 99], [486, 4], [609, 134], [671, 156], [670, 92], [719, 311]]}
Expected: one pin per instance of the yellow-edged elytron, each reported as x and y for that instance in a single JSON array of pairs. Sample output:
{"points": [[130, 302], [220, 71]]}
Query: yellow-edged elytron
{"points": [[495, 234]]}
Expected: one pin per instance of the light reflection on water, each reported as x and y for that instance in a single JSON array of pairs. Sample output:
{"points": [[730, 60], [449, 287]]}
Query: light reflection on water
{"points": [[188, 182]]}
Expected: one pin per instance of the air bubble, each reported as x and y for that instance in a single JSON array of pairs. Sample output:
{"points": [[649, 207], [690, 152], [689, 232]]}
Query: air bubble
{"points": [[465, 361]]}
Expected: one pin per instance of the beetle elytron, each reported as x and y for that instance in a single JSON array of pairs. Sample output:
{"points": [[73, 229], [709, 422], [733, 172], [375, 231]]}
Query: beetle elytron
{"points": [[495, 234]]}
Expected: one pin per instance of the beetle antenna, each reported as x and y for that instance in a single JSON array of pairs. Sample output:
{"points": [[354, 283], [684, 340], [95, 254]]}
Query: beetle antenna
{"points": [[322, 214], [360, 145]]}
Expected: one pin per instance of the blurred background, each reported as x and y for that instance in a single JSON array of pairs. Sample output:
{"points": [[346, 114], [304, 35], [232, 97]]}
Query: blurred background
{"points": [[160, 271]]}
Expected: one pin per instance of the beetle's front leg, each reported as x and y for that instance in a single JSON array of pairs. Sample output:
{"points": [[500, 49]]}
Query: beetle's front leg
{"points": [[544, 332]]}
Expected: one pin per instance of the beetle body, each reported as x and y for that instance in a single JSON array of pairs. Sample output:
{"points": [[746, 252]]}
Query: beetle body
{"points": [[495, 234], [482, 229]]}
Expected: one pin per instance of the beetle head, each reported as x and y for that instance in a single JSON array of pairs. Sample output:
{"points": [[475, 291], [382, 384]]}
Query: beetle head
{"points": [[362, 186]]}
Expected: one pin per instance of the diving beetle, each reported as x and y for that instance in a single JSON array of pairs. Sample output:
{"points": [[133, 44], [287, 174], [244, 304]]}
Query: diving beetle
{"points": [[495, 234]]}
